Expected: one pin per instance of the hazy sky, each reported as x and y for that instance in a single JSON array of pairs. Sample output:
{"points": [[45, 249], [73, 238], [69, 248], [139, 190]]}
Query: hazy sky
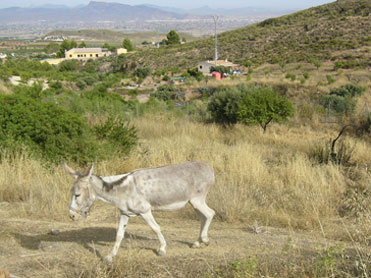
{"points": [[284, 4]]}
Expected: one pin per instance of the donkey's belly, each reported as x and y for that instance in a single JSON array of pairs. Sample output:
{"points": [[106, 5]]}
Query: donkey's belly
{"points": [[173, 206]]}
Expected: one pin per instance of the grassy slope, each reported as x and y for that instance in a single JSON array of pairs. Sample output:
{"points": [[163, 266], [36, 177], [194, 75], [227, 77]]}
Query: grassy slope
{"points": [[318, 32]]}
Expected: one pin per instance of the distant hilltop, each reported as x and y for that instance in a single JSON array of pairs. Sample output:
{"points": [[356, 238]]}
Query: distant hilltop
{"points": [[115, 12], [93, 12]]}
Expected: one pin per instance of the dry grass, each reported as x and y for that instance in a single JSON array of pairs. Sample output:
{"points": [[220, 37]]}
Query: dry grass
{"points": [[265, 177], [262, 177]]}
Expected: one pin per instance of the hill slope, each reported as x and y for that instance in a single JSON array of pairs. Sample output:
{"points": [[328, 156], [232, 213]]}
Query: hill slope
{"points": [[324, 32]]}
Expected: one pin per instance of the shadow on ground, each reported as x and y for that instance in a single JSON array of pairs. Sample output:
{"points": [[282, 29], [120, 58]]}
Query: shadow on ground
{"points": [[85, 237]]}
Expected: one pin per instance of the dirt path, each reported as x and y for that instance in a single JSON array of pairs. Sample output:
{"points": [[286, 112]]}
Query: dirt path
{"points": [[29, 249]]}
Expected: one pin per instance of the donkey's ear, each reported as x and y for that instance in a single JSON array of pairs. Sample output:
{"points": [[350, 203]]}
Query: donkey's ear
{"points": [[70, 171], [89, 171]]}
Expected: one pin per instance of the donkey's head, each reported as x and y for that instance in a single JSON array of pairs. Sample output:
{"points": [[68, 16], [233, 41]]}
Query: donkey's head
{"points": [[82, 195]]}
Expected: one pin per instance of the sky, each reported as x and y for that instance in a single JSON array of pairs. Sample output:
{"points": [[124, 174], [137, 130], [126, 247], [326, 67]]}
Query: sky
{"points": [[282, 4]]}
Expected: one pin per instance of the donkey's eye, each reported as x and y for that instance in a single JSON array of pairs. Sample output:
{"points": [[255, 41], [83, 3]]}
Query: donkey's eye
{"points": [[77, 195]]}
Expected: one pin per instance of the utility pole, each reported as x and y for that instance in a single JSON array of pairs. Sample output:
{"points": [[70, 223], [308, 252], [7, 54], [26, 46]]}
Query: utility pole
{"points": [[216, 18]]}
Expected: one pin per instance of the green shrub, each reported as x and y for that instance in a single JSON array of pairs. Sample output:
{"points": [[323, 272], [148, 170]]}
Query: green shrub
{"points": [[119, 134], [47, 130], [330, 79], [223, 106], [261, 105], [81, 84], [290, 76], [90, 80], [69, 65], [339, 105], [142, 72], [167, 92], [348, 90], [196, 74]]}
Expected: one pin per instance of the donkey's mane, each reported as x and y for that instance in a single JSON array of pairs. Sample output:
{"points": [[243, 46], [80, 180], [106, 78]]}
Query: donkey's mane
{"points": [[108, 186]]}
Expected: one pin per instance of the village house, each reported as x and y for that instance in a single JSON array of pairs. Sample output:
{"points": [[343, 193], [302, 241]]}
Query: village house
{"points": [[86, 53], [204, 67], [120, 51]]}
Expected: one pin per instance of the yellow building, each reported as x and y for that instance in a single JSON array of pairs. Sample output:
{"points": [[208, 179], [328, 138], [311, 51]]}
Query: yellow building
{"points": [[120, 51], [86, 53]]}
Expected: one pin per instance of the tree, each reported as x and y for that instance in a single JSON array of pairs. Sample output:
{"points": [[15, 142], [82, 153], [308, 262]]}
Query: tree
{"points": [[173, 38], [65, 46], [262, 106], [82, 45], [127, 44], [109, 47], [195, 73], [52, 47]]}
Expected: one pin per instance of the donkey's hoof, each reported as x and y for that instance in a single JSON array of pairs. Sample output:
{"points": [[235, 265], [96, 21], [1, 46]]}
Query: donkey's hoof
{"points": [[108, 259], [206, 242], [161, 253], [196, 245]]}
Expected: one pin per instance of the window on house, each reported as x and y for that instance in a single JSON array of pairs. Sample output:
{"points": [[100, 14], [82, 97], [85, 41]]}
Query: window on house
{"points": [[70, 56], [96, 55], [91, 55]]}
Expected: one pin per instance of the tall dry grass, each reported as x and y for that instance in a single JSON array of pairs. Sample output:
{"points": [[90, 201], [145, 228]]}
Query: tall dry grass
{"points": [[265, 177]]}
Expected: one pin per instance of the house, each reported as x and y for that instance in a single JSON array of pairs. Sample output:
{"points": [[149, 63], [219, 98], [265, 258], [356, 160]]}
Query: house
{"points": [[86, 53], [120, 51], [3, 56], [204, 67]]}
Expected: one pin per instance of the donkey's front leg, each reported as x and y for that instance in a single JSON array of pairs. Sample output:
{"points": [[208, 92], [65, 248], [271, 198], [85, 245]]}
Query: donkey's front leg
{"points": [[119, 236]]}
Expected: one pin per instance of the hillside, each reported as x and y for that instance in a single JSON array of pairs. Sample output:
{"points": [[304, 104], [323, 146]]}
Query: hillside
{"points": [[334, 31]]}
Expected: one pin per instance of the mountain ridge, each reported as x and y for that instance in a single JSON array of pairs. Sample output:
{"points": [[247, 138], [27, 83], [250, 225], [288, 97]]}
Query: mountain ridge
{"points": [[90, 13]]}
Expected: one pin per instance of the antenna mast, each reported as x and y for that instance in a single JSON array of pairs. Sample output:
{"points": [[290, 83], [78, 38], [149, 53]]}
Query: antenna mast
{"points": [[216, 18]]}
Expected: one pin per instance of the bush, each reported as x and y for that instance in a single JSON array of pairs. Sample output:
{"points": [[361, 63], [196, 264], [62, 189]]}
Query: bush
{"points": [[343, 100], [142, 72], [291, 76], [223, 106], [340, 105], [196, 74], [322, 153], [81, 84], [348, 90], [262, 106], [119, 134], [47, 130], [330, 79], [167, 92], [69, 65]]}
